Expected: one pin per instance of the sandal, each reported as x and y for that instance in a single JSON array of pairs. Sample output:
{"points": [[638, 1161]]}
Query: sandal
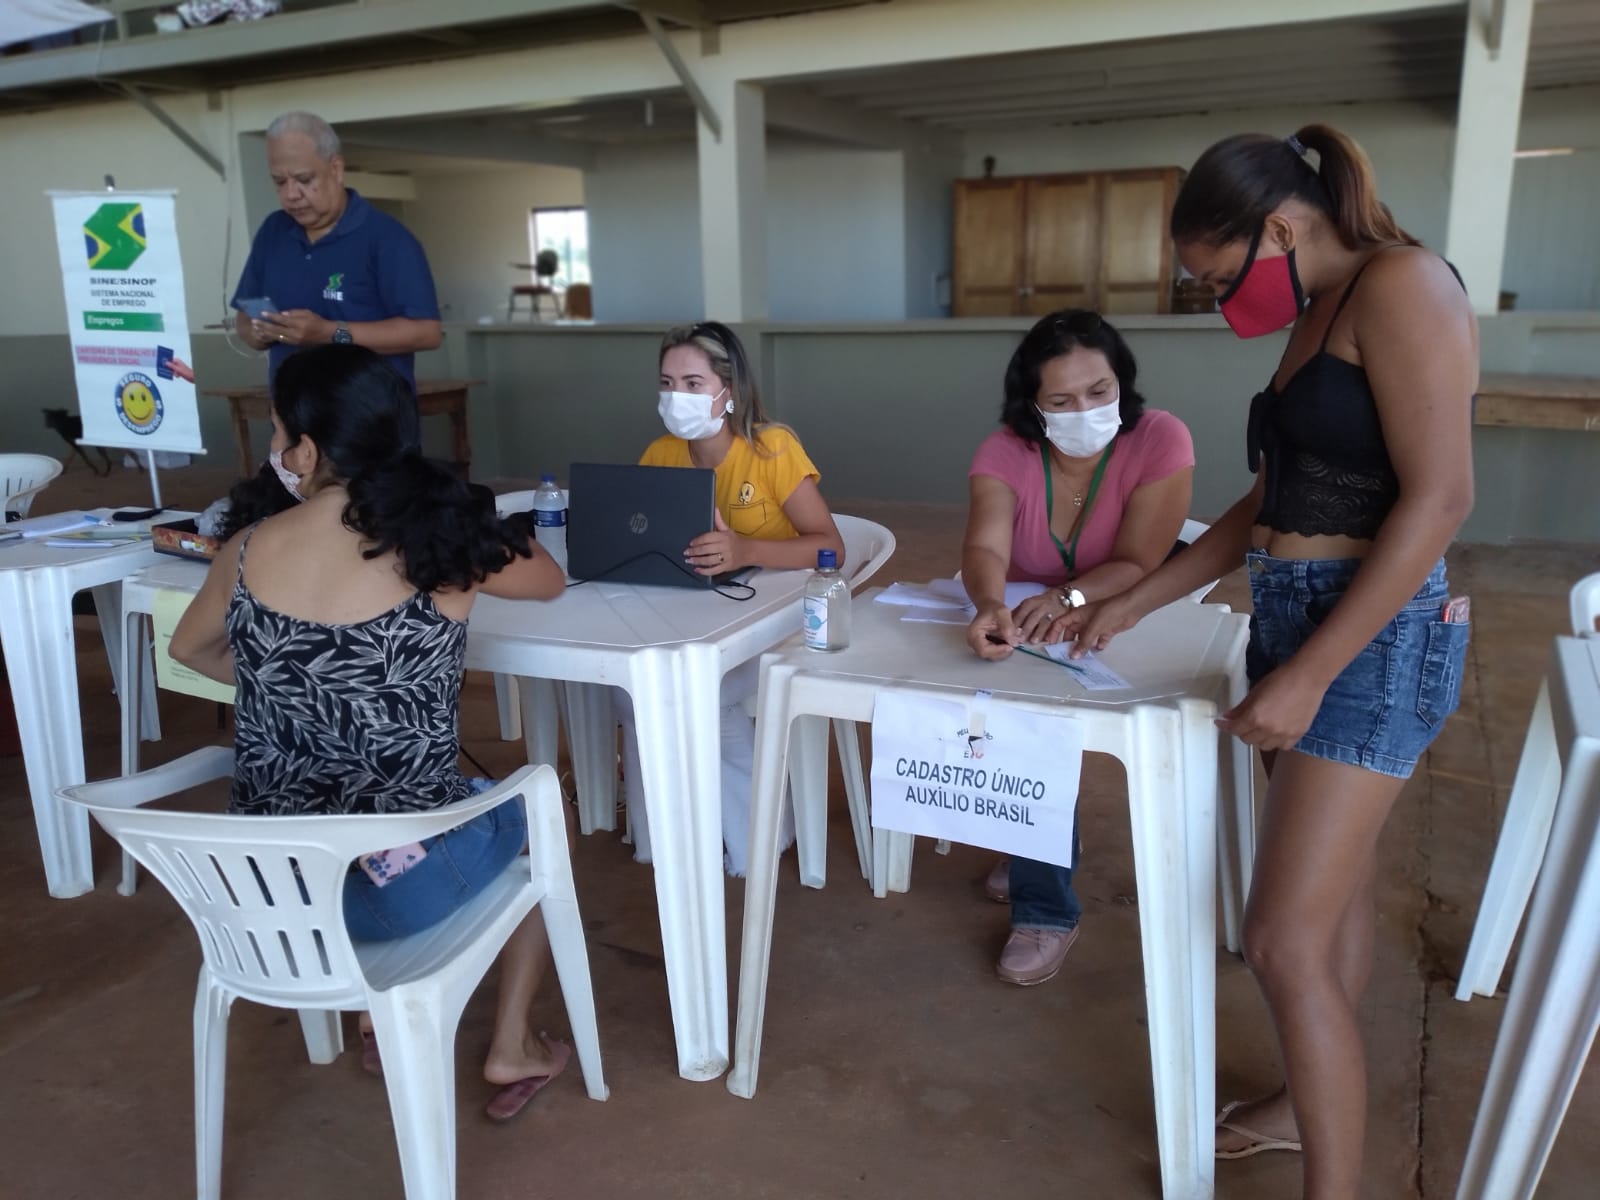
{"points": [[1255, 1141], [511, 1099]]}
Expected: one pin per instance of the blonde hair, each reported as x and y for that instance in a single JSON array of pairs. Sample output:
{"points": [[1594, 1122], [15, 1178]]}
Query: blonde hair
{"points": [[728, 360]]}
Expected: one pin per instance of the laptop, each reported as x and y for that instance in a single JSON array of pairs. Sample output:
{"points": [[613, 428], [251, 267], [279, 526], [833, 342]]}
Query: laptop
{"points": [[630, 524]]}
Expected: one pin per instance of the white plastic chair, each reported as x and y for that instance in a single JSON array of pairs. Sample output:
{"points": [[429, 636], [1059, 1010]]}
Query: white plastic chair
{"points": [[1553, 1012], [535, 710], [22, 477], [1585, 605], [1525, 832], [541, 698], [867, 546], [1191, 532], [265, 895]]}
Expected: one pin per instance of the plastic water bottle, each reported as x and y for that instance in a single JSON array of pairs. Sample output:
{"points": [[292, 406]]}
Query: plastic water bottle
{"points": [[827, 605], [550, 519]]}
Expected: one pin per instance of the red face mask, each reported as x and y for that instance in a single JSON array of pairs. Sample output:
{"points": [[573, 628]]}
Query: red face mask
{"points": [[1265, 296]]}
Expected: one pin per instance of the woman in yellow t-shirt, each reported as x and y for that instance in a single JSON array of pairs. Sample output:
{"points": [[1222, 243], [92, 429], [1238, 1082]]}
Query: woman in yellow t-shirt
{"points": [[769, 514]]}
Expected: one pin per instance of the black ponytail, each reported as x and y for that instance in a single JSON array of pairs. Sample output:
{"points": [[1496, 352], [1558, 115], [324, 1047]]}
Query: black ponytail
{"points": [[1240, 181], [362, 416]]}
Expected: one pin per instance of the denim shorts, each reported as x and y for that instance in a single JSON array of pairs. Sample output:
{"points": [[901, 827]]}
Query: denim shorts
{"points": [[460, 863], [1388, 705]]}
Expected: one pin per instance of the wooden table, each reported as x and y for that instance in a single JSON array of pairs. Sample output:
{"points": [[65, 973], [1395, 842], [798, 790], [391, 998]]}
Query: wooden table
{"points": [[435, 397], [1539, 402]]}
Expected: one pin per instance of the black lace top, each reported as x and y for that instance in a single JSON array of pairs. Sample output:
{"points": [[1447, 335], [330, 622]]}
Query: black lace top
{"points": [[345, 718], [1327, 466]]}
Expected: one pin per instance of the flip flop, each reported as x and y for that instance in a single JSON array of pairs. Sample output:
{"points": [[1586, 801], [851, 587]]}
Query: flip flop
{"points": [[371, 1063], [513, 1098], [1256, 1142]]}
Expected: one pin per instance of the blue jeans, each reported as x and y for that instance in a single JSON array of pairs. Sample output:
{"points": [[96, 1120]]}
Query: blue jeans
{"points": [[1041, 893], [460, 863], [1384, 709]]}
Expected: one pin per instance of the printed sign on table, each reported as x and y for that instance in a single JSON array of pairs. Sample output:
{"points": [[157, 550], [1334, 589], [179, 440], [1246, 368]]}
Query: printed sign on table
{"points": [[127, 320], [978, 773]]}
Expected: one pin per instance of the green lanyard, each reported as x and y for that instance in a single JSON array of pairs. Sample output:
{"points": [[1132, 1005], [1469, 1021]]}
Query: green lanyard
{"points": [[1069, 554]]}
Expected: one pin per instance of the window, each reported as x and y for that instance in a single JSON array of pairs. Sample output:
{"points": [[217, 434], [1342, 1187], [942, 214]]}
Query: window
{"points": [[566, 231]]}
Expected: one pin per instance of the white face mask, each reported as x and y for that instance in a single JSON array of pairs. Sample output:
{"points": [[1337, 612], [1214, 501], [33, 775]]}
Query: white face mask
{"points": [[1082, 434], [688, 414], [290, 481]]}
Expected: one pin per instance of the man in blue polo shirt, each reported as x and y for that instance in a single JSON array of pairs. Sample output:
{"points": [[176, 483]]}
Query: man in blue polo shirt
{"points": [[334, 268]]}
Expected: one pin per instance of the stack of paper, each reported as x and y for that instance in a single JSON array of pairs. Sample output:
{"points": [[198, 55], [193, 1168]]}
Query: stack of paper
{"points": [[78, 529], [55, 524], [945, 601]]}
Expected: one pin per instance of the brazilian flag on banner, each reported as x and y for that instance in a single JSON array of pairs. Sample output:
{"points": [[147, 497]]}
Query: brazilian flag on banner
{"points": [[127, 319], [113, 236]]}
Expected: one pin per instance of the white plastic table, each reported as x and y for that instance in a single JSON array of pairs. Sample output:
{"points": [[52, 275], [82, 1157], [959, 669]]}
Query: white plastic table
{"points": [[1182, 663], [1554, 1008], [37, 583], [669, 647]]}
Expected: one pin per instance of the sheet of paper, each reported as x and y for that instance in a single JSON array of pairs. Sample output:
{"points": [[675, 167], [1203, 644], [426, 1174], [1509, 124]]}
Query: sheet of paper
{"points": [[915, 595], [1088, 670], [934, 616], [173, 675], [71, 541]]}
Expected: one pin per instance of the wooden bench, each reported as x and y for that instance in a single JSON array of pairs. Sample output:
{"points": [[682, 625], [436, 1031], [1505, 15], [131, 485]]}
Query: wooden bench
{"points": [[435, 397], [1539, 402]]}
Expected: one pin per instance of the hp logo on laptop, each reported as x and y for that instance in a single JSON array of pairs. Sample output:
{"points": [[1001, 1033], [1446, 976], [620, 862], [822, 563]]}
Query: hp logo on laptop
{"points": [[638, 523]]}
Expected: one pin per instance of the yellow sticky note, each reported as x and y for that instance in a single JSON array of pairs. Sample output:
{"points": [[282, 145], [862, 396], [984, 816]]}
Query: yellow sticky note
{"points": [[173, 675]]}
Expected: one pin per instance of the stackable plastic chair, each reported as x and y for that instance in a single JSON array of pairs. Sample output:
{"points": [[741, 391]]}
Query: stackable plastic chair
{"points": [[1191, 533], [540, 695], [1553, 1012], [1585, 605], [22, 477], [1525, 832], [265, 895], [867, 546], [535, 710]]}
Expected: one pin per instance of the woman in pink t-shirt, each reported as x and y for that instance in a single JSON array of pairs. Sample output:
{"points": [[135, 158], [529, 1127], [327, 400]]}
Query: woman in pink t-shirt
{"points": [[1084, 491]]}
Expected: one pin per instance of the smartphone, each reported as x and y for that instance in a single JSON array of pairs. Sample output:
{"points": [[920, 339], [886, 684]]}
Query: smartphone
{"points": [[257, 308]]}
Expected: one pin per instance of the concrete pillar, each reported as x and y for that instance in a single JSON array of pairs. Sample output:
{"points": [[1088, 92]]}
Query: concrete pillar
{"points": [[1492, 71], [255, 181], [733, 202]]}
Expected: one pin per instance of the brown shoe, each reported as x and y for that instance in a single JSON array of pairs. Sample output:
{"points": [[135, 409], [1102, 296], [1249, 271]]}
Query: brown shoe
{"points": [[1033, 955], [997, 886]]}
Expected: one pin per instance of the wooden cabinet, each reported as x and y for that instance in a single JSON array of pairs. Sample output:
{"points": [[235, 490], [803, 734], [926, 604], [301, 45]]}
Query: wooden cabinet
{"points": [[1028, 245]]}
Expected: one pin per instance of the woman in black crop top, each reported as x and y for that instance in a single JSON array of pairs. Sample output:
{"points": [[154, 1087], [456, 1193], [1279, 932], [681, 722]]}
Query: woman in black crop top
{"points": [[1361, 445]]}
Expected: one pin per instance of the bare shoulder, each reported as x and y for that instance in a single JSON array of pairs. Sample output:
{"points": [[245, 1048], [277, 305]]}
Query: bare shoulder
{"points": [[1406, 277]]}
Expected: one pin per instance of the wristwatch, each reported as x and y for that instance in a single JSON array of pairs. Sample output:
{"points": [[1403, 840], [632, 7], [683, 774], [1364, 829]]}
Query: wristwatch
{"points": [[1072, 598], [341, 336]]}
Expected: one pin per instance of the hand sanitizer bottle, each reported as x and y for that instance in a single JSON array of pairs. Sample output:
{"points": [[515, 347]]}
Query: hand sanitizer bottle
{"points": [[827, 605]]}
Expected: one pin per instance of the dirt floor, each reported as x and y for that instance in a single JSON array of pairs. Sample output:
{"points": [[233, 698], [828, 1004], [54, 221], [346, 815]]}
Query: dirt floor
{"points": [[895, 1064]]}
